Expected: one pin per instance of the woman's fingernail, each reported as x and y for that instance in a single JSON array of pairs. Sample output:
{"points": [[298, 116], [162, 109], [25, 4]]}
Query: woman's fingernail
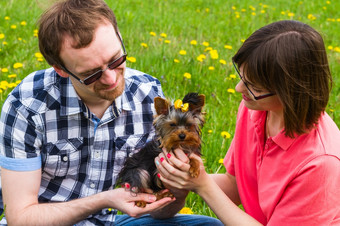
{"points": [[158, 175], [157, 163], [168, 155], [161, 159], [127, 185], [152, 198]]}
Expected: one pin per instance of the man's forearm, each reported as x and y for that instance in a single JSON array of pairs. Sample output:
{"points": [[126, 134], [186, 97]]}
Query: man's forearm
{"points": [[64, 213]]}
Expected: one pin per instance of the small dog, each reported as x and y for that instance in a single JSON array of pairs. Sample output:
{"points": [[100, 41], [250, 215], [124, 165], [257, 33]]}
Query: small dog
{"points": [[176, 126]]}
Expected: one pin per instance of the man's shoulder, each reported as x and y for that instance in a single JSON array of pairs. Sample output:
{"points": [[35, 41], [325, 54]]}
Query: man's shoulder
{"points": [[36, 89], [135, 76]]}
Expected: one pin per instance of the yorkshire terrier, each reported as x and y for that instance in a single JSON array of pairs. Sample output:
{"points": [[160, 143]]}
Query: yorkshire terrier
{"points": [[176, 125]]}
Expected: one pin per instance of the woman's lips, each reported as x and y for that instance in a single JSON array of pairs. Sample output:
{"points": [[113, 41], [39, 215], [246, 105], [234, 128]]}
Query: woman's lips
{"points": [[245, 98]]}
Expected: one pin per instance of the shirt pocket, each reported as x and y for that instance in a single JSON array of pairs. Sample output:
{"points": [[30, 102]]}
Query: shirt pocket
{"points": [[125, 146], [62, 158]]}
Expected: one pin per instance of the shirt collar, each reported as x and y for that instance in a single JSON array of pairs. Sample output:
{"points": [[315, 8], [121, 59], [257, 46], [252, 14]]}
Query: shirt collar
{"points": [[259, 117], [72, 104]]}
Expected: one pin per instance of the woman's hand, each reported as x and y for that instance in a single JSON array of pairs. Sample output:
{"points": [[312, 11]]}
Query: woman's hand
{"points": [[174, 168]]}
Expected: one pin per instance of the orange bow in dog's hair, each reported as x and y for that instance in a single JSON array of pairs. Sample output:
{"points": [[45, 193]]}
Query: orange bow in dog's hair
{"points": [[179, 105]]}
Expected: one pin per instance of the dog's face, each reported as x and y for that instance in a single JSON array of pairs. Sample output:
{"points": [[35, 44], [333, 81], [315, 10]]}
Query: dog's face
{"points": [[176, 128]]}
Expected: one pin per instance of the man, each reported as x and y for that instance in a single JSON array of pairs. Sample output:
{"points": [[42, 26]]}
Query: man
{"points": [[66, 131]]}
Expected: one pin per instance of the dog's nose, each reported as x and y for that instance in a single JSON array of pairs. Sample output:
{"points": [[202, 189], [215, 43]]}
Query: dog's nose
{"points": [[181, 136]]}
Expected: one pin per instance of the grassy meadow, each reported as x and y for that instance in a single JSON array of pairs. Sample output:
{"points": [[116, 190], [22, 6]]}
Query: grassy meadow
{"points": [[187, 45]]}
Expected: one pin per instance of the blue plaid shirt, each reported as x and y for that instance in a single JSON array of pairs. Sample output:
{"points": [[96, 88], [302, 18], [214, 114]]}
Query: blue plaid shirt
{"points": [[44, 124]]}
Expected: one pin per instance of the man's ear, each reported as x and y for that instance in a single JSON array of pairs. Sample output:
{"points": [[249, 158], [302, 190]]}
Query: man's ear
{"points": [[60, 71]]}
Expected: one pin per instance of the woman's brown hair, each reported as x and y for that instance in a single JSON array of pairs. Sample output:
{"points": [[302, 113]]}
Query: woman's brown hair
{"points": [[288, 58], [75, 18]]}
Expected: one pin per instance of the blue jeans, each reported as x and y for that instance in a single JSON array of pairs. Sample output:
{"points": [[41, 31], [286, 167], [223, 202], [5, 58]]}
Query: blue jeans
{"points": [[179, 219]]}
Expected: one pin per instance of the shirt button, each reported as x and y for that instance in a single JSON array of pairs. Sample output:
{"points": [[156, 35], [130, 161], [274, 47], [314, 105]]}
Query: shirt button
{"points": [[92, 185], [96, 155], [65, 158]]}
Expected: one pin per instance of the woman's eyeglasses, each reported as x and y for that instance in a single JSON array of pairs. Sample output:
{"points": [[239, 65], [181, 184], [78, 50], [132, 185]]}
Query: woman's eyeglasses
{"points": [[255, 97], [95, 76]]}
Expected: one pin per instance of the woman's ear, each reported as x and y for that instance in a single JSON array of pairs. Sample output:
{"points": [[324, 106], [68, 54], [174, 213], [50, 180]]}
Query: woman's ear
{"points": [[60, 71]]}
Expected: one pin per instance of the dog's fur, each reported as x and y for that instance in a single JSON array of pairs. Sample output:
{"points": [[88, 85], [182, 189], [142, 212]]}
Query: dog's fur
{"points": [[174, 129]]}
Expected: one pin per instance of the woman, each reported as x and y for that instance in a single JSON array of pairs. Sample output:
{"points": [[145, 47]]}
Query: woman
{"points": [[283, 164]]}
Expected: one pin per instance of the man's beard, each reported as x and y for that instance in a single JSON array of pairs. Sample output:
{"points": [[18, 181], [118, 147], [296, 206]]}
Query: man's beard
{"points": [[111, 95]]}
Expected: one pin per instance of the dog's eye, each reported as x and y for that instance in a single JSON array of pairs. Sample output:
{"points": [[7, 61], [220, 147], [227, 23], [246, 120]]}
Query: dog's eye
{"points": [[173, 124]]}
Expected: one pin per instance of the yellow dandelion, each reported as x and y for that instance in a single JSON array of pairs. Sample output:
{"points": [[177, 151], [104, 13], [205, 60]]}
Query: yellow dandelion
{"points": [[4, 70], [163, 35], [207, 10], [232, 76], [311, 17], [13, 26], [211, 68], [7, 18], [213, 54], [228, 47], [223, 61], [17, 65], [35, 33], [152, 33], [144, 45], [38, 55], [193, 42], [160, 39], [176, 60], [225, 134], [208, 49], [18, 81], [5, 43], [328, 2], [2, 36], [253, 13], [12, 76], [23, 23], [337, 49], [201, 57], [187, 75], [182, 52], [167, 41], [40, 59], [220, 161], [330, 47], [131, 59], [210, 131], [291, 14], [185, 210], [233, 8], [230, 90], [0, 90], [205, 43]]}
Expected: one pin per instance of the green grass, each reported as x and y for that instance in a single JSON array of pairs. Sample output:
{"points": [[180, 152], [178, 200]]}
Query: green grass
{"points": [[218, 22]]}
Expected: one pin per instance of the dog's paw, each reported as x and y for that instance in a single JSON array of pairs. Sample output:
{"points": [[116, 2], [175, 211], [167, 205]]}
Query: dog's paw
{"points": [[160, 195], [140, 204], [194, 170]]}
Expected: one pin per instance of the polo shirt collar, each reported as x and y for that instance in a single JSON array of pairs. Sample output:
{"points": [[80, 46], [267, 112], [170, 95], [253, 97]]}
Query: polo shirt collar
{"points": [[259, 117]]}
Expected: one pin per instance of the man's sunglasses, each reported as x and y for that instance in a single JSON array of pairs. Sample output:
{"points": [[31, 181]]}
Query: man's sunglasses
{"points": [[95, 76]]}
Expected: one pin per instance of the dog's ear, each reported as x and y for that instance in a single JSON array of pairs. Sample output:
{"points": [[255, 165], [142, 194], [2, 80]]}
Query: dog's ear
{"points": [[196, 102], [161, 106]]}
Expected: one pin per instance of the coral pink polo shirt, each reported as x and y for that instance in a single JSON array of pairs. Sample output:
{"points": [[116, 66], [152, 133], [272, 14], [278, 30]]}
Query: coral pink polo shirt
{"points": [[284, 181]]}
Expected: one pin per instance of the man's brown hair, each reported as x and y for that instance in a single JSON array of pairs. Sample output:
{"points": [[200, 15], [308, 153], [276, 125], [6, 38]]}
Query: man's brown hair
{"points": [[288, 58], [75, 18]]}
